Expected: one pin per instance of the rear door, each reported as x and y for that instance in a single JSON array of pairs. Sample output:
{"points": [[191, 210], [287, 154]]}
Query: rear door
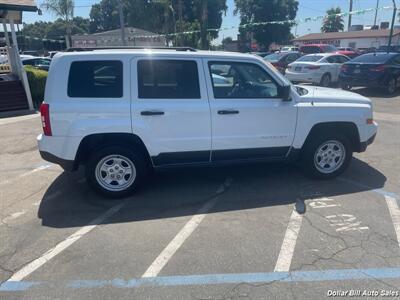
{"points": [[170, 109]]}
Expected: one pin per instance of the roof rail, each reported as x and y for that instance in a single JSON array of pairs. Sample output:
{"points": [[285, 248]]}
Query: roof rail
{"points": [[78, 49]]}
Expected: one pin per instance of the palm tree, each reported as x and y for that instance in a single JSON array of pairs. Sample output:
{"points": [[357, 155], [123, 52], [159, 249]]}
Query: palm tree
{"points": [[63, 9]]}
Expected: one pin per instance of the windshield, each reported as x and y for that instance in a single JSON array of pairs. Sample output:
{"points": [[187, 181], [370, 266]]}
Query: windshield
{"points": [[273, 57], [310, 58]]}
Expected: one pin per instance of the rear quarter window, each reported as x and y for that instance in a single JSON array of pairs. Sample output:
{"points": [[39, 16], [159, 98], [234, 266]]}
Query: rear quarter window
{"points": [[95, 79]]}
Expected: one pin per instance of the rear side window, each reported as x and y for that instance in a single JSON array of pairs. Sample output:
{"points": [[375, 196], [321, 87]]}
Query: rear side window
{"points": [[310, 49], [168, 79], [95, 79]]}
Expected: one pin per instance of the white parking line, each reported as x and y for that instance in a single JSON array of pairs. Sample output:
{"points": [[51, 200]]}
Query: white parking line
{"points": [[39, 168], [37, 263], [395, 214], [13, 216], [160, 262], [289, 243], [18, 119]]}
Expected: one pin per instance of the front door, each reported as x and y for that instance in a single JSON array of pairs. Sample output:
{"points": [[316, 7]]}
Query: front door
{"points": [[249, 119], [170, 109]]}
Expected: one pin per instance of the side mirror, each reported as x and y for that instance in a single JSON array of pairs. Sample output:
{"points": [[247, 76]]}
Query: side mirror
{"points": [[285, 92]]}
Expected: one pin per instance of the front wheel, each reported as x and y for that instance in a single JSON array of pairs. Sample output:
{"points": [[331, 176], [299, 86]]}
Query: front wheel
{"points": [[327, 156], [115, 171]]}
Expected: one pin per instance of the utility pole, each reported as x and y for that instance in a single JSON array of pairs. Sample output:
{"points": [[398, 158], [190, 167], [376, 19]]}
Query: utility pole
{"points": [[376, 11], [350, 10], [180, 21], [203, 25], [122, 22], [392, 26]]}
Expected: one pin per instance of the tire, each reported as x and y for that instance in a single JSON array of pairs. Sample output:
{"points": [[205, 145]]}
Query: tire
{"points": [[323, 147], [345, 86], [106, 164], [325, 80], [391, 86]]}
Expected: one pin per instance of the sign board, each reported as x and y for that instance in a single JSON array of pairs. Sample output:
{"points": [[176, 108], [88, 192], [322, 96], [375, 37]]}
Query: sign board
{"points": [[11, 15]]}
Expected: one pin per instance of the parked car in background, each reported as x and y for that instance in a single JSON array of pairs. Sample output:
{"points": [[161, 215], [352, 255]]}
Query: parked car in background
{"points": [[363, 50], [392, 49], [322, 69], [379, 69], [290, 49], [348, 51], [42, 63], [317, 48], [51, 54], [262, 54], [280, 60], [30, 52]]}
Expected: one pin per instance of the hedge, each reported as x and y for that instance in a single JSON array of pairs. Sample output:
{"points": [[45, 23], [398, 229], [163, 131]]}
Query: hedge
{"points": [[37, 82]]}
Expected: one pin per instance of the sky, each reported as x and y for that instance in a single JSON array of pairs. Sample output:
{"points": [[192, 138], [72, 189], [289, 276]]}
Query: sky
{"points": [[307, 8]]}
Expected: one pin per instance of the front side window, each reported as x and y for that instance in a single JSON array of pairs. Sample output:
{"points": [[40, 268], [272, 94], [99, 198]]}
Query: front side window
{"points": [[168, 79], [241, 80], [95, 79]]}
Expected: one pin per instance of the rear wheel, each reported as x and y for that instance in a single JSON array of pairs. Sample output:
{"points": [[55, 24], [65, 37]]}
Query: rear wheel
{"points": [[115, 171], [326, 156], [325, 80], [391, 86]]}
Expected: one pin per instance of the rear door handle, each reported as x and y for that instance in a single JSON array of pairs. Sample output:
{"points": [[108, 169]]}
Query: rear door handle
{"points": [[228, 112], [152, 113]]}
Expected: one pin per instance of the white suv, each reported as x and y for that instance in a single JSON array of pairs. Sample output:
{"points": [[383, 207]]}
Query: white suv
{"points": [[123, 112]]}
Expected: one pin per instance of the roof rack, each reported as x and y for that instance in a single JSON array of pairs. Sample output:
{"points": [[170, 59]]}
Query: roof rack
{"points": [[78, 49]]}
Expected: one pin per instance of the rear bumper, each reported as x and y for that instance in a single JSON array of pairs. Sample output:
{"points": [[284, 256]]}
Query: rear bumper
{"points": [[67, 165], [59, 150], [303, 77], [365, 81]]}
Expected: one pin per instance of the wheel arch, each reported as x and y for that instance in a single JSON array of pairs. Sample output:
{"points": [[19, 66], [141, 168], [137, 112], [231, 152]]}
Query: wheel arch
{"points": [[348, 129], [97, 141]]}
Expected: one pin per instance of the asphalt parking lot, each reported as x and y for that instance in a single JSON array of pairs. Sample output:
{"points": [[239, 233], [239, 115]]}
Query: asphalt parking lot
{"points": [[260, 231]]}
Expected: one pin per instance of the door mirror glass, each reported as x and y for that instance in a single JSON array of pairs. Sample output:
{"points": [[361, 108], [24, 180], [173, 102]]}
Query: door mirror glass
{"points": [[285, 92]]}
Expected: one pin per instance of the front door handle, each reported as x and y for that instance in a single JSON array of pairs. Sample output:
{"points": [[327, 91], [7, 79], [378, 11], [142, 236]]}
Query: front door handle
{"points": [[228, 112], [152, 113]]}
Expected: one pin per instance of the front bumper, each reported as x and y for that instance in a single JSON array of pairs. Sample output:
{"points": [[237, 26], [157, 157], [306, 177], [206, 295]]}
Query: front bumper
{"points": [[364, 145]]}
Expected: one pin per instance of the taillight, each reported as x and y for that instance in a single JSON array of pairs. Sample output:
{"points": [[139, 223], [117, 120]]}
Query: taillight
{"points": [[380, 68], [344, 68], [45, 116], [313, 67]]}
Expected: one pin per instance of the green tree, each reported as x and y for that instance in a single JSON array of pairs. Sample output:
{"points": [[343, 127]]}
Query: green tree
{"points": [[104, 16], [253, 11], [164, 16], [332, 22], [63, 9], [226, 40]]}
